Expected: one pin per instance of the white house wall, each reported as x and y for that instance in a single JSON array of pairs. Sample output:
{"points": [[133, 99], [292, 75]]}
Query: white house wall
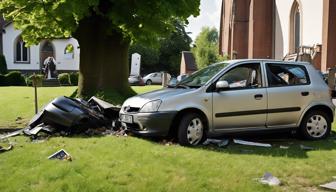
{"points": [[9, 38], [312, 14], [63, 63]]}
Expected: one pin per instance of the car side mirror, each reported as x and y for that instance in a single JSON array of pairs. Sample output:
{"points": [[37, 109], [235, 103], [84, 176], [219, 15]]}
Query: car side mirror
{"points": [[222, 85]]}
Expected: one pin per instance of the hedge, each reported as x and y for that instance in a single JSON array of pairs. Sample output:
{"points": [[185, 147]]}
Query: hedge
{"points": [[3, 81], [3, 65], [64, 78], [15, 78], [74, 79]]}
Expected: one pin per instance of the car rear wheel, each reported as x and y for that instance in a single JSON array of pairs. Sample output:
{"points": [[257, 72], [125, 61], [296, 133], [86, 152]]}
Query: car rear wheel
{"points": [[315, 125], [191, 130], [148, 82]]}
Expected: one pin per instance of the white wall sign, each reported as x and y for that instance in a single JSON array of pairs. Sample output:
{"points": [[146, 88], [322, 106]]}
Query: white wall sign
{"points": [[135, 64]]}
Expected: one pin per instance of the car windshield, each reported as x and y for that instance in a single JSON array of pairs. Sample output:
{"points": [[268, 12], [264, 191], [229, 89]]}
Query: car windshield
{"points": [[202, 76]]}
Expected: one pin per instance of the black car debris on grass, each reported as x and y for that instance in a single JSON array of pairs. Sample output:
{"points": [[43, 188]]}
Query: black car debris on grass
{"points": [[68, 116]]}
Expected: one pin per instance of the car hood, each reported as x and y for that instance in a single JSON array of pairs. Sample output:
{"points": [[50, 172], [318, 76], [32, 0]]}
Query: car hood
{"points": [[140, 100]]}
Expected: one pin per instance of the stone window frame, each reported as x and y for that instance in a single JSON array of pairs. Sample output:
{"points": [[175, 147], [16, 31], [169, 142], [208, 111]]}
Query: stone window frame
{"points": [[22, 43], [295, 8]]}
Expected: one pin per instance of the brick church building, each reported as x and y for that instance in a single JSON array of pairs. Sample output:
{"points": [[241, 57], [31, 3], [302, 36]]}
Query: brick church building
{"points": [[299, 30]]}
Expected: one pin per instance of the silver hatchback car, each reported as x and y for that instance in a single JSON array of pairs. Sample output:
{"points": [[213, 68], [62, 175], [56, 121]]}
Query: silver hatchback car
{"points": [[235, 96]]}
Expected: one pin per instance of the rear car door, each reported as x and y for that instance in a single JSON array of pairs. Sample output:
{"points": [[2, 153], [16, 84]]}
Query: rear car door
{"points": [[244, 104], [288, 93]]}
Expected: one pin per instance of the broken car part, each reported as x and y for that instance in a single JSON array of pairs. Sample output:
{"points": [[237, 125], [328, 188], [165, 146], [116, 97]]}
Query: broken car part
{"points": [[219, 143], [330, 186], [61, 155], [73, 116], [242, 142], [270, 180], [3, 149]]}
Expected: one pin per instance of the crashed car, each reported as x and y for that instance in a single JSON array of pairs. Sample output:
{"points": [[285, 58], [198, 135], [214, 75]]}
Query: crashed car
{"points": [[73, 116], [235, 96]]}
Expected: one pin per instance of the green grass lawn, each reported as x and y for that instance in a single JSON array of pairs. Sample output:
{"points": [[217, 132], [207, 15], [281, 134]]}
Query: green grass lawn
{"points": [[113, 163]]}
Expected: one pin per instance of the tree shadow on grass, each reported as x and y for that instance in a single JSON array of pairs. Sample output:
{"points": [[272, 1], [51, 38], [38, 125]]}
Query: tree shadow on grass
{"points": [[283, 145]]}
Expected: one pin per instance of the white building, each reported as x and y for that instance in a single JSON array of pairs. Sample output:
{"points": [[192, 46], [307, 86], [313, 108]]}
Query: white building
{"points": [[31, 59]]}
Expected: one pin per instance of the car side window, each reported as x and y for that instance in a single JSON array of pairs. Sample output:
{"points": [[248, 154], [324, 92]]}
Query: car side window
{"points": [[243, 76], [286, 75]]}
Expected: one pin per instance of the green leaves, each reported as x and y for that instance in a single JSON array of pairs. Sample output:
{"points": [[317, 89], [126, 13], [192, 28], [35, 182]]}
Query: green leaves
{"points": [[140, 20], [206, 48]]}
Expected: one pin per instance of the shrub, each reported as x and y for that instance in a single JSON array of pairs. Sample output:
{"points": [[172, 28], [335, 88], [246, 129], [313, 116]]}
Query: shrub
{"points": [[64, 78], [3, 81], [39, 80], [3, 65], [15, 78], [74, 79]]}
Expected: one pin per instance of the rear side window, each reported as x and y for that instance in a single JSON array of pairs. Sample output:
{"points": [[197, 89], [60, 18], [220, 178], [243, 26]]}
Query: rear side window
{"points": [[286, 75]]}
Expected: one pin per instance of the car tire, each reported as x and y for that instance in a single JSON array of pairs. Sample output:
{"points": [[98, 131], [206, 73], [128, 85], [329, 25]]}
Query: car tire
{"points": [[315, 125], [148, 82], [191, 130]]}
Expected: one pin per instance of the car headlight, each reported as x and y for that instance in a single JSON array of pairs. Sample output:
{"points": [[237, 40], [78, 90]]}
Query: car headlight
{"points": [[151, 106]]}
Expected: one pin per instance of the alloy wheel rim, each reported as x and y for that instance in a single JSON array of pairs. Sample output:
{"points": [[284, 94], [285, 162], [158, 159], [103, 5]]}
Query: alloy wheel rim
{"points": [[195, 131], [317, 126]]}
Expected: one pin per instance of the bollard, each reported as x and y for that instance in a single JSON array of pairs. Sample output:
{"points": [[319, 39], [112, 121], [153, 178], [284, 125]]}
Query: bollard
{"points": [[35, 92]]}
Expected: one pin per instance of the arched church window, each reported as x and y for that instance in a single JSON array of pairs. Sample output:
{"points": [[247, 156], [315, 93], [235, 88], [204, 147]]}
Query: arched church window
{"points": [[295, 27], [21, 51]]}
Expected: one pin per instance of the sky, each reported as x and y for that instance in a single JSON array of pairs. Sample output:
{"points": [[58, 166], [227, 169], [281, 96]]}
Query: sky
{"points": [[209, 16]]}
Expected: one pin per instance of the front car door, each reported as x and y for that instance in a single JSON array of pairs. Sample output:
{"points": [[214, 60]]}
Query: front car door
{"points": [[156, 78], [288, 93], [244, 104]]}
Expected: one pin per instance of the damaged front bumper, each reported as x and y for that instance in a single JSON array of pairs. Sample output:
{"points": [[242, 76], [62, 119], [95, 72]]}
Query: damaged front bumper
{"points": [[148, 124]]}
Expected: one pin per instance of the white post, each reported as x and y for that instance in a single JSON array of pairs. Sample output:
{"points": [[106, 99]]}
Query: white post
{"points": [[135, 64]]}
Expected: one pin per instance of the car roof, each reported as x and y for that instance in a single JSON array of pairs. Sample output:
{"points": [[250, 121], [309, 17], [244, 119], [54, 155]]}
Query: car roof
{"points": [[231, 62]]}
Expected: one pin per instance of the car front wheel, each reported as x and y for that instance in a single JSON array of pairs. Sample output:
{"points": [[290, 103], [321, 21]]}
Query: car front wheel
{"points": [[315, 125], [148, 82], [191, 130]]}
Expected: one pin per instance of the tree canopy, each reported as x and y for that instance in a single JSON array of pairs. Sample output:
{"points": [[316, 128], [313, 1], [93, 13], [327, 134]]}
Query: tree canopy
{"points": [[104, 29], [142, 20], [206, 47], [166, 56]]}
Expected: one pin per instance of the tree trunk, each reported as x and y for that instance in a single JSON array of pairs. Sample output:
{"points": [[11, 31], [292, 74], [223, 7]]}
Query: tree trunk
{"points": [[103, 59]]}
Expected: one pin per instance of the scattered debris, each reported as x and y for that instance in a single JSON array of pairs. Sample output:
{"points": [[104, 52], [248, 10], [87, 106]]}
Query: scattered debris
{"points": [[219, 143], [330, 186], [3, 149], [18, 119], [167, 142], [12, 134], [61, 155], [269, 179], [284, 147], [307, 148], [242, 142]]}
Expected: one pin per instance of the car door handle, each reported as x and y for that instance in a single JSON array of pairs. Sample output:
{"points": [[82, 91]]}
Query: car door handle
{"points": [[258, 96], [305, 93]]}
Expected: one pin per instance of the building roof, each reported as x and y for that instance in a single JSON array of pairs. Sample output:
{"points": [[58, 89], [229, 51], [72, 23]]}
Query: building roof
{"points": [[189, 60]]}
